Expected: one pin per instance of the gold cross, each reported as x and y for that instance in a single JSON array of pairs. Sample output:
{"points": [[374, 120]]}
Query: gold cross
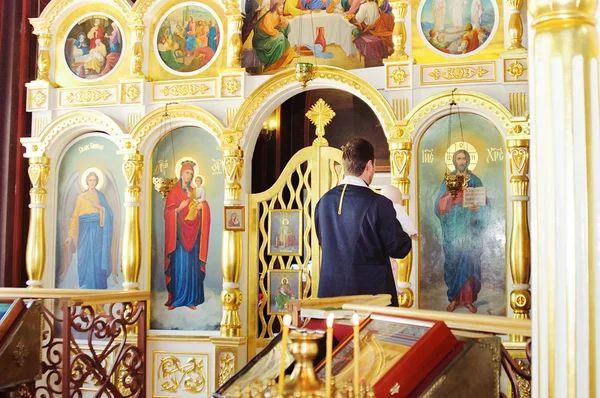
{"points": [[320, 115]]}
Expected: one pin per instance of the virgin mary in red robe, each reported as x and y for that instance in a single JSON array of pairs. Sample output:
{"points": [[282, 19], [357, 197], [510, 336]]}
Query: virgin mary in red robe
{"points": [[186, 244]]}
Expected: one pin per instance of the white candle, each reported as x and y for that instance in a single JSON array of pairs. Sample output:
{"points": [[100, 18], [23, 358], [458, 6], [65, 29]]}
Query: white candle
{"points": [[287, 320], [328, 355], [355, 322]]}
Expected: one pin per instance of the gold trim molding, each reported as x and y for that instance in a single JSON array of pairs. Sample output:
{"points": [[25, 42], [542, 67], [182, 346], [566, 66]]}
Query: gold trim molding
{"points": [[515, 70], [335, 77], [398, 75], [479, 72]]}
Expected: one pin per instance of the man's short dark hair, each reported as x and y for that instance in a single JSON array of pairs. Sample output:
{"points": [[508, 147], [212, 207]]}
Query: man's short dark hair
{"points": [[356, 154]]}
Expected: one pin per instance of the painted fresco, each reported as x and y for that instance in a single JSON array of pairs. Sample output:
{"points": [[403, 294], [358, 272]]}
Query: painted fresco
{"points": [[89, 227], [457, 28], [188, 39], [462, 245], [93, 47], [350, 34], [186, 234]]}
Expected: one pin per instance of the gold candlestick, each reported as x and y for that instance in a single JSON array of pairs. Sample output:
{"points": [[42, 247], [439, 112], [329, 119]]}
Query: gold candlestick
{"points": [[303, 383], [287, 320], [355, 322], [328, 355]]}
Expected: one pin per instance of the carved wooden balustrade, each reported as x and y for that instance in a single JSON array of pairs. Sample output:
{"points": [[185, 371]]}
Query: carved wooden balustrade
{"points": [[93, 340]]}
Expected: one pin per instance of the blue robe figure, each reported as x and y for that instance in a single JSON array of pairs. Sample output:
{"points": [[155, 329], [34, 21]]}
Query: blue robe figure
{"points": [[315, 4], [82, 44], [212, 37], [190, 37], [358, 242], [462, 230]]}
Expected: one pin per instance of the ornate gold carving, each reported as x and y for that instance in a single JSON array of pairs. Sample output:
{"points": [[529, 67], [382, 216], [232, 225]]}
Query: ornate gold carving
{"points": [[172, 375], [471, 98], [226, 367], [232, 86], [132, 92], [400, 106], [43, 61], [233, 167], [137, 58], [131, 251], [182, 90], [518, 105], [180, 111], [87, 96], [516, 69], [320, 115], [286, 78], [35, 258], [460, 73], [38, 98], [515, 26], [399, 10], [20, 353], [235, 21], [398, 75]]}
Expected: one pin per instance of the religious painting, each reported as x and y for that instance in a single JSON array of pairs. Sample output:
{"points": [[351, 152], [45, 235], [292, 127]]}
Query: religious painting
{"points": [[188, 39], [462, 223], [186, 233], [234, 218], [89, 219], [352, 34], [457, 28], [93, 46], [285, 233], [283, 285]]}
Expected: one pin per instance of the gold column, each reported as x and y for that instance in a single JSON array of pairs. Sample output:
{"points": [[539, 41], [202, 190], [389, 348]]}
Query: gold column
{"points": [[231, 296], [399, 10], [35, 258], [137, 58], [235, 20], [515, 26], [43, 60], [131, 250], [520, 259], [565, 206], [400, 158]]}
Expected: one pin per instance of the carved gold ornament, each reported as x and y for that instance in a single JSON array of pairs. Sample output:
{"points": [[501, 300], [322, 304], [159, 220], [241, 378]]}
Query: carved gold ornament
{"points": [[232, 86], [132, 92], [226, 367], [88, 96], [181, 90], [516, 69], [320, 115], [399, 75], [172, 376], [461, 73], [38, 98]]}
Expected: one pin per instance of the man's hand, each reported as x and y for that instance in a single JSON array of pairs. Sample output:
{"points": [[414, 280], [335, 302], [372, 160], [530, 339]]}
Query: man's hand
{"points": [[474, 208]]}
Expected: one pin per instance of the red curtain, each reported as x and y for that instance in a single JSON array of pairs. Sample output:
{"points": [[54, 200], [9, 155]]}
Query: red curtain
{"points": [[17, 66]]}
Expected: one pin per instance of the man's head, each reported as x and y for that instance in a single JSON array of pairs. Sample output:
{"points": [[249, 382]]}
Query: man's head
{"points": [[461, 160], [92, 180], [468, 27], [276, 6], [358, 157]]}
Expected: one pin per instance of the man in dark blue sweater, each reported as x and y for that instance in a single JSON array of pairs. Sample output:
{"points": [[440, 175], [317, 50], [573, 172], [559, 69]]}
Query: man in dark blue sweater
{"points": [[358, 231]]}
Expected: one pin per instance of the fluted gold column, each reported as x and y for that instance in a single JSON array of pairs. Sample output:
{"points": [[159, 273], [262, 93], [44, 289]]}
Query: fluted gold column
{"points": [[399, 10], [231, 296], [137, 50], [565, 206], [235, 20], [520, 259], [131, 247], [43, 60], [35, 257], [515, 26], [400, 158]]}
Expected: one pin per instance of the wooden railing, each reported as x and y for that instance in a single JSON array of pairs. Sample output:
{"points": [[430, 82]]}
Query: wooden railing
{"points": [[92, 339]]}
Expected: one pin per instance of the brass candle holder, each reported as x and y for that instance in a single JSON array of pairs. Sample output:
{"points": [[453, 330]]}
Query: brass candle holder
{"points": [[164, 185]]}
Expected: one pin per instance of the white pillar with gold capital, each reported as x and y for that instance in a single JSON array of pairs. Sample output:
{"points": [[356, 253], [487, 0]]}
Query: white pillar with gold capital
{"points": [[35, 255], [565, 175], [131, 255]]}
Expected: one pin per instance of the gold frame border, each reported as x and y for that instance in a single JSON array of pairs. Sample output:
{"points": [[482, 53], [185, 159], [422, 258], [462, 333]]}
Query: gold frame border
{"points": [[278, 271], [242, 226], [269, 237]]}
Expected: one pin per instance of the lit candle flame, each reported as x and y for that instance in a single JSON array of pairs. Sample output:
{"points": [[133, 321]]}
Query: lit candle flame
{"points": [[330, 320]]}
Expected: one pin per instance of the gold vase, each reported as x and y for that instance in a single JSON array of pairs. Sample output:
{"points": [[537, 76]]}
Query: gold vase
{"points": [[303, 381], [454, 183]]}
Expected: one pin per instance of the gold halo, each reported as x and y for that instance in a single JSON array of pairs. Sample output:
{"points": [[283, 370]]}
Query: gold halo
{"points": [[83, 180], [196, 176], [284, 281], [178, 166], [285, 221], [462, 145]]}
